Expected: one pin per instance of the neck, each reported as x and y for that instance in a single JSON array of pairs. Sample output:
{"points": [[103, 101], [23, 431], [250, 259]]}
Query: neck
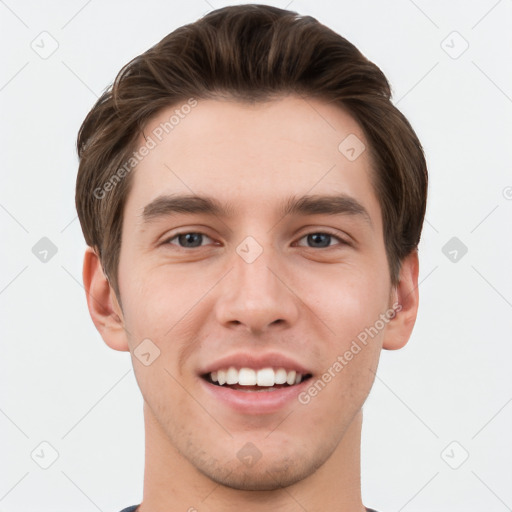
{"points": [[171, 482]]}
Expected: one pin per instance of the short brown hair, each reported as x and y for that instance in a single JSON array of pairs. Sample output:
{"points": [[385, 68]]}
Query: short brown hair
{"points": [[249, 53]]}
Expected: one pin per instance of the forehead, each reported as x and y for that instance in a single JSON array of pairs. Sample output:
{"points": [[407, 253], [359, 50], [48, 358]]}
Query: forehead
{"points": [[251, 156]]}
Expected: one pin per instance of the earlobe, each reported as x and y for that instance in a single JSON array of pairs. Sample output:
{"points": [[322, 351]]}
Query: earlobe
{"points": [[399, 329], [104, 308]]}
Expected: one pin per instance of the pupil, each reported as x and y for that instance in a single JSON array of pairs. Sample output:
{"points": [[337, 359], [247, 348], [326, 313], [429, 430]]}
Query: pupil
{"points": [[315, 236], [190, 236]]}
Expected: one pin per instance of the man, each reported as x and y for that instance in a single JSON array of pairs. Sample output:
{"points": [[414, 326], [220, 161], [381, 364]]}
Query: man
{"points": [[252, 204]]}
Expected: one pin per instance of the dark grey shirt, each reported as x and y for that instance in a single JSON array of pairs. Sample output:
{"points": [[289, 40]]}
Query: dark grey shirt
{"points": [[134, 508]]}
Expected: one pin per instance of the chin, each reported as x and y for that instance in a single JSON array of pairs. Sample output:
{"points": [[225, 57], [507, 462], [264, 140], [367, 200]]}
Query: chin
{"points": [[251, 480], [263, 476]]}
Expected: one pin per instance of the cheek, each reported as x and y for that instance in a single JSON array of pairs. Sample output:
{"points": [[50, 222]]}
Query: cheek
{"points": [[157, 316], [162, 320], [158, 302], [349, 362], [349, 300], [351, 308]]}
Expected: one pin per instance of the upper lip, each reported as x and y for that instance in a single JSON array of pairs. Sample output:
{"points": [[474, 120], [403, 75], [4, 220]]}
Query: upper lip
{"points": [[256, 362]]}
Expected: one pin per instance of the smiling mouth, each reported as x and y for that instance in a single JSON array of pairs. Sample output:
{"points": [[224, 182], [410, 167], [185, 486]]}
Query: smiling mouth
{"points": [[249, 379]]}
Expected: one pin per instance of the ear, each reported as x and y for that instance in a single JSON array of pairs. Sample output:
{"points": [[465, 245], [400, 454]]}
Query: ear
{"points": [[102, 302], [406, 297]]}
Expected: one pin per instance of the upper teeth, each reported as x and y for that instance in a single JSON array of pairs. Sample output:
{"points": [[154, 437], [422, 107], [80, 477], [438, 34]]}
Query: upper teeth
{"points": [[250, 377]]}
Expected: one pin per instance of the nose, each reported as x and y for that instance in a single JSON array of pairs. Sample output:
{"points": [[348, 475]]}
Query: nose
{"points": [[257, 295]]}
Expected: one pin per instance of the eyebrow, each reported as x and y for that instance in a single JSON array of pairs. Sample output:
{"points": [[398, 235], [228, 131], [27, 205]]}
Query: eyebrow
{"points": [[168, 205]]}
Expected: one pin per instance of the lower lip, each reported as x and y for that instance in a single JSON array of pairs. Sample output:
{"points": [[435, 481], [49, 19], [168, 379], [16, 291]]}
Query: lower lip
{"points": [[255, 402]]}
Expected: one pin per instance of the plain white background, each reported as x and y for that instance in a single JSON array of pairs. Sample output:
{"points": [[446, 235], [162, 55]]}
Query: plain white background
{"points": [[444, 397]]}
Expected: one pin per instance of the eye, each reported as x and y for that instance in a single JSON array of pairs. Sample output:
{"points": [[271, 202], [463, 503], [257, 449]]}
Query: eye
{"points": [[190, 240], [193, 239], [321, 239]]}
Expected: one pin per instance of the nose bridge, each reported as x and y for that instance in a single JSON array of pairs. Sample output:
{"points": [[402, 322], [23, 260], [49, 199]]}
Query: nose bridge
{"points": [[254, 294], [252, 276]]}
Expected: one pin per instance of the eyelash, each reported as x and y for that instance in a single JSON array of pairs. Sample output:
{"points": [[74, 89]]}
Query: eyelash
{"points": [[325, 232]]}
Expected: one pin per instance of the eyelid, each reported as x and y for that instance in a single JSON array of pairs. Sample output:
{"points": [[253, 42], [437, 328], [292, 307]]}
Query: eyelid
{"points": [[183, 230], [167, 239], [326, 231]]}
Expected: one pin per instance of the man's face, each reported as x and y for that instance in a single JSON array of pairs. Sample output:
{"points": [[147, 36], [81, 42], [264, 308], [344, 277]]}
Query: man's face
{"points": [[252, 289]]}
